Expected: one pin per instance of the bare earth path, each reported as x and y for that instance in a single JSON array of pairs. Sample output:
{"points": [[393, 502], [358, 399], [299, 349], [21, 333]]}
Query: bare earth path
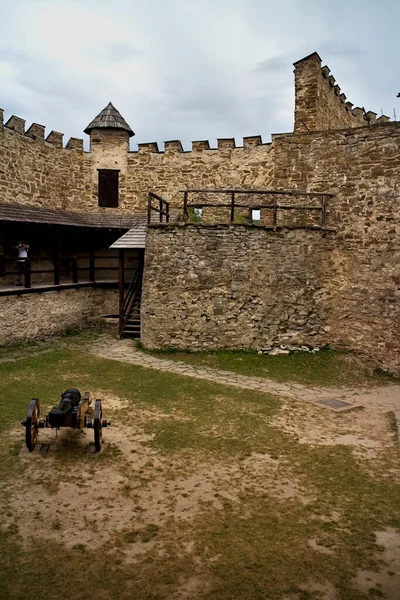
{"points": [[384, 398]]}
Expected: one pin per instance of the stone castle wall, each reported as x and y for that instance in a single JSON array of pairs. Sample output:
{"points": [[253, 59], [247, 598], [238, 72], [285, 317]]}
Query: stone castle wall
{"points": [[217, 287], [169, 172], [319, 102], [38, 171], [37, 316], [335, 148], [235, 287], [362, 167], [42, 173]]}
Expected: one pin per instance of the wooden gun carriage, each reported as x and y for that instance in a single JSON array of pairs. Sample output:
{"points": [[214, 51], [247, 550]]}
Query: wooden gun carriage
{"points": [[72, 411]]}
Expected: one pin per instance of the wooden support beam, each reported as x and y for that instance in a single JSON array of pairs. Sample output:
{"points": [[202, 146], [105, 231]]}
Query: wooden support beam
{"points": [[121, 286], [275, 213], [74, 270], [27, 273], [232, 207], [323, 212], [185, 206], [92, 276], [56, 262]]}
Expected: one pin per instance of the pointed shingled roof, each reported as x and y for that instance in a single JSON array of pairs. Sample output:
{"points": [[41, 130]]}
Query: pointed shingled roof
{"points": [[109, 118]]}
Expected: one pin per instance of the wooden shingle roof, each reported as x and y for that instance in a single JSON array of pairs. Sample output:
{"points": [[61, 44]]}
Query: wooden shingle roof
{"points": [[109, 118], [134, 238], [31, 214]]}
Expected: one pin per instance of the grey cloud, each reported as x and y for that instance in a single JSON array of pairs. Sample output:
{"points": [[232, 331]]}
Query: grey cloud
{"points": [[272, 65], [117, 52]]}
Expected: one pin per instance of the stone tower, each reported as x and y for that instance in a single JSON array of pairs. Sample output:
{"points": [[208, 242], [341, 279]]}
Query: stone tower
{"points": [[109, 147]]}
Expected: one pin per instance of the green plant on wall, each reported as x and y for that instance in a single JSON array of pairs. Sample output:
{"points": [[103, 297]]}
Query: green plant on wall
{"points": [[195, 215]]}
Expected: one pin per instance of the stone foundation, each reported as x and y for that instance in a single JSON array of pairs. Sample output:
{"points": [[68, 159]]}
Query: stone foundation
{"points": [[40, 315]]}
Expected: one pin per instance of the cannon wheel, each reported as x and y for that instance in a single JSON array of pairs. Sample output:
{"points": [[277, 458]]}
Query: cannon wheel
{"points": [[97, 425], [32, 424]]}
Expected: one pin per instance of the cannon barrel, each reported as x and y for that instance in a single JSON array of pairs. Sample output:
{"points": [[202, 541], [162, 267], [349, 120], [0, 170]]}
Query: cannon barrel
{"points": [[69, 399]]}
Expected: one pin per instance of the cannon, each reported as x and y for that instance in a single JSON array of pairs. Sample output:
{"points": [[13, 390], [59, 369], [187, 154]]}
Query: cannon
{"points": [[73, 411]]}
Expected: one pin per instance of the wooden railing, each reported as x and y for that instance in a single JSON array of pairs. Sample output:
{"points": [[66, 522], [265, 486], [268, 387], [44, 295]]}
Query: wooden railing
{"points": [[73, 266], [133, 291], [273, 205], [162, 207]]}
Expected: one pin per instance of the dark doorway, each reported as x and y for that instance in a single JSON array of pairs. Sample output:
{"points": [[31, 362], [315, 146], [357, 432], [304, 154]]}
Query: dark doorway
{"points": [[108, 188]]}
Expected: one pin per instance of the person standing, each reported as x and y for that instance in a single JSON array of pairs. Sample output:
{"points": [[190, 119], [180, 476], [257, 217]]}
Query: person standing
{"points": [[23, 250]]}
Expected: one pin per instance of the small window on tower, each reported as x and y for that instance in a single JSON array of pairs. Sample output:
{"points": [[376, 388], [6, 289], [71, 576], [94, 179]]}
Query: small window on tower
{"points": [[108, 188]]}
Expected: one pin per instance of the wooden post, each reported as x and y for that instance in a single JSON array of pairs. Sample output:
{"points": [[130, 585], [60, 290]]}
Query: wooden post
{"points": [[27, 274], [74, 270], [121, 286], [185, 206], [57, 263], [167, 209], [275, 213], [232, 207], [323, 212], [149, 209], [92, 277]]}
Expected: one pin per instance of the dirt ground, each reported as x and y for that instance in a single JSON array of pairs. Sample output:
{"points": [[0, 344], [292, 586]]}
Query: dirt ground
{"points": [[120, 505]]}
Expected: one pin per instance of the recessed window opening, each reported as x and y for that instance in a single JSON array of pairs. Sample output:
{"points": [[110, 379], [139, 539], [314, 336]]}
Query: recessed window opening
{"points": [[255, 215], [108, 188]]}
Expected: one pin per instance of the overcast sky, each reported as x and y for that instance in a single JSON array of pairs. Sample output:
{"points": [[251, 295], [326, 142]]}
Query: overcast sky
{"points": [[190, 69]]}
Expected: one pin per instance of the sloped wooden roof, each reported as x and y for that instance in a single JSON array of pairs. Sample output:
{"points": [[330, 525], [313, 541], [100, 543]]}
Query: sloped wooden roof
{"points": [[134, 238], [109, 118], [32, 214]]}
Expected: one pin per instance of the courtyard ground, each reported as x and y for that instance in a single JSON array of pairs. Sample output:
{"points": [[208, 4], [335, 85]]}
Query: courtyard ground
{"points": [[215, 482]]}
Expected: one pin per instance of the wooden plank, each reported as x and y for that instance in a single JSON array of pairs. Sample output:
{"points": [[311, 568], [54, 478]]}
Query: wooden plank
{"points": [[27, 274], [57, 262], [232, 207], [158, 210], [92, 275], [323, 212], [74, 270], [251, 206], [275, 213], [149, 207], [121, 285], [266, 192], [185, 206], [157, 197]]}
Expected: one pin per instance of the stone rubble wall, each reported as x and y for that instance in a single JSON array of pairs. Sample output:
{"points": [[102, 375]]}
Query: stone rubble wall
{"points": [[40, 315], [319, 102], [362, 167], [235, 287], [169, 172], [41, 173]]}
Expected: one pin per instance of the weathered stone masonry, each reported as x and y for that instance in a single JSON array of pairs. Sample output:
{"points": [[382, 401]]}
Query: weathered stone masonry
{"points": [[362, 167], [36, 316], [242, 286], [235, 287]]}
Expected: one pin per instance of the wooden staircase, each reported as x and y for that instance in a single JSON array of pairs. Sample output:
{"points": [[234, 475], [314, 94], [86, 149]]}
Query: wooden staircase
{"points": [[132, 324], [129, 313]]}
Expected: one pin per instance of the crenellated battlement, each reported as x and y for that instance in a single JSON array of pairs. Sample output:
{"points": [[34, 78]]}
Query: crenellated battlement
{"points": [[320, 103], [176, 146], [37, 132], [55, 138]]}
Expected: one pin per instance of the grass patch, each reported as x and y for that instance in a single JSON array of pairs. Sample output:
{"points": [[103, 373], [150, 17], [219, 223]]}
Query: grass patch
{"points": [[325, 368], [253, 545]]}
